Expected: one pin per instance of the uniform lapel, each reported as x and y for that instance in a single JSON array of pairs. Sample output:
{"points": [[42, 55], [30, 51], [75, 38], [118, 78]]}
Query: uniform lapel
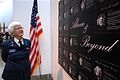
{"points": [[14, 44]]}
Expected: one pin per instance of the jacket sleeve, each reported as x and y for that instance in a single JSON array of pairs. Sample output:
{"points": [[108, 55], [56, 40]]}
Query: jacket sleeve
{"points": [[4, 52]]}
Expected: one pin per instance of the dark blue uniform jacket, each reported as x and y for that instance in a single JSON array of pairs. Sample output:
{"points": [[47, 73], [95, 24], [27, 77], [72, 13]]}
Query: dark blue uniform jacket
{"points": [[17, 65]]}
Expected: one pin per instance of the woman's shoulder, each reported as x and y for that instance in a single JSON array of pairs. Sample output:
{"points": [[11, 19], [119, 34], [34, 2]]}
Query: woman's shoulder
{"points": [[6, 42], [26, 39]]}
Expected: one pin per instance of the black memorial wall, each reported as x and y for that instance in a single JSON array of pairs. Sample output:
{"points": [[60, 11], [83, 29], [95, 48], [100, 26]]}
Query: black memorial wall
{"points": [[89, 39]]}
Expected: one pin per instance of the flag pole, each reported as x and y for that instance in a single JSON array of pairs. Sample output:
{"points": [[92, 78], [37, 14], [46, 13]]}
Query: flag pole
{"points": [[39, 61]]}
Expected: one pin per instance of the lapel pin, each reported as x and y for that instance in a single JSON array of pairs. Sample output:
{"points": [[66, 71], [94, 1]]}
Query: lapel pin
{"points": [[12, 44]]}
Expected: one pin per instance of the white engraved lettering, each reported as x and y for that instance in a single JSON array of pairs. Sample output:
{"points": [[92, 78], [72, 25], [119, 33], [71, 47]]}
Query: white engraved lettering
{"points": [[91, 46]]}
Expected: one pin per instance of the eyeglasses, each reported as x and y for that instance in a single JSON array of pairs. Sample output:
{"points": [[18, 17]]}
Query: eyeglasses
{"points": [[18, 28]]}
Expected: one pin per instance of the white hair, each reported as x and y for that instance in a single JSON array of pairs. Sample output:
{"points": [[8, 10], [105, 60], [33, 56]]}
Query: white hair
{"points": [[12, 26]]}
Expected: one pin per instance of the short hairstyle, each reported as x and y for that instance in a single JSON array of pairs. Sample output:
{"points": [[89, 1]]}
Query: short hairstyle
{"points": [[12, 26]]}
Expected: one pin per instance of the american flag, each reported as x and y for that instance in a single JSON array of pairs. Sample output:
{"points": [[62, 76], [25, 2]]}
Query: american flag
{"points": [[35, 32]]}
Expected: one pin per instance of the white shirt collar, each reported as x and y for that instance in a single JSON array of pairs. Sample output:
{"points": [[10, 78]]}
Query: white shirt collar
{"points": [[16, 40]]}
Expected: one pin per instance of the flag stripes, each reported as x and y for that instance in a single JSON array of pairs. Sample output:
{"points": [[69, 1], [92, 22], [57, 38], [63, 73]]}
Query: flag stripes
{"points": [[35, 32]]}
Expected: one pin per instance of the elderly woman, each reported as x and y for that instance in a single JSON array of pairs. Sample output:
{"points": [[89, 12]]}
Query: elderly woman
{"points": [[15, 53]]}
